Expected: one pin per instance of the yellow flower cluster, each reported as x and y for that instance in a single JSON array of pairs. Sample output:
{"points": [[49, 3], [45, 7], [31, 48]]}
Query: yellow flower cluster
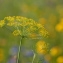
{"points": [[41, 47], [24, 25], [43, 32], [17, 32], [19, 21], [59, 27], [2, 22]]}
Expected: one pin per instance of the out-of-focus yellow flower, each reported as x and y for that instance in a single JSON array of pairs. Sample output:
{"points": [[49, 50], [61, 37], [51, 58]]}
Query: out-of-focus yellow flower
{"points": [[1, 54], [17, 32], [55, 51], [59, 27], [41, 47], [2, 23], [60, 59]]}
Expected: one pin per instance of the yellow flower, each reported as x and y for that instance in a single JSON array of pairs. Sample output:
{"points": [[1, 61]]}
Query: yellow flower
{"points": [[2, 23], [59, 27], [60, 59], [10, 18], [1, 55], [55, 51], [17, 32], [39, 25], [43, 32], [25, 24], [41, 47], [10, 23]]}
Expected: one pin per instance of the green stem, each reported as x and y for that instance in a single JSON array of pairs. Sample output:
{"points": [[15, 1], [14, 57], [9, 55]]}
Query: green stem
{"points": [[33, 58], [18, 56]]}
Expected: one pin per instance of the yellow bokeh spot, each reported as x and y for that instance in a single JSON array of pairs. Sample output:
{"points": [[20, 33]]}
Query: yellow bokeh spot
{"points": [[55, 51], [59, 27], [60, 59], [41, 47]]}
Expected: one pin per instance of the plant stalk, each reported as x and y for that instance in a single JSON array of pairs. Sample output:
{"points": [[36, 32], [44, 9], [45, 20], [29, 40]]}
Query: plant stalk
{"points": [[18, 56], [33, 58]]}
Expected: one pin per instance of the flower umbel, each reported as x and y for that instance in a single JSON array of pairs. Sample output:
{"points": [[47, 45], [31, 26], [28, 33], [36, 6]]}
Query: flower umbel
{"points": [[25, 26], [2, 22]]}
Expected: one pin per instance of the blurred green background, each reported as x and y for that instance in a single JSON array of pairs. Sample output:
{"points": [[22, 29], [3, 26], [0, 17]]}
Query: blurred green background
{"points": [[47, 12]]}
